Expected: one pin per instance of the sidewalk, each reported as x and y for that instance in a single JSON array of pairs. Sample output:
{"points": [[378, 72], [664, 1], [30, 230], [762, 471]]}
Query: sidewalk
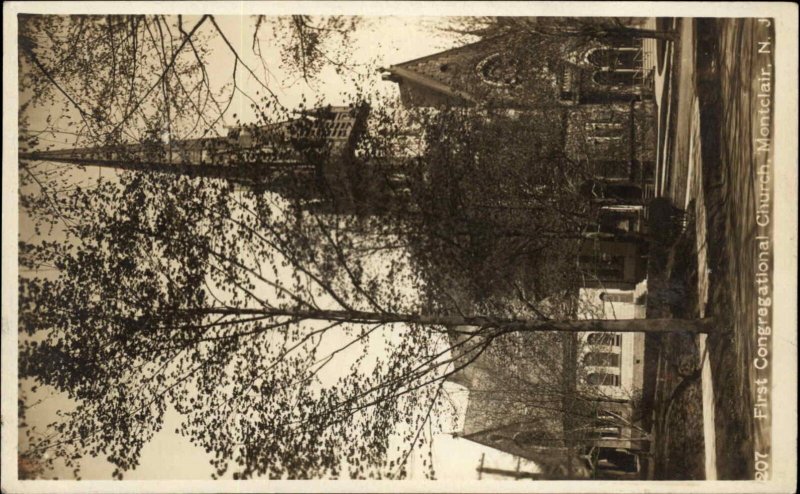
{"points": [[730, 65], [672, 173]]}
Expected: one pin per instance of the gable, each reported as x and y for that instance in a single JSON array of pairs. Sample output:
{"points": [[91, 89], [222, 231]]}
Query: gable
{"points": [[501, 71]]}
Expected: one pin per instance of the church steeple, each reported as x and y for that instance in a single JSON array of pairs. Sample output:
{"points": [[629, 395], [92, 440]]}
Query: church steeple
{"points": [[312, 146]]}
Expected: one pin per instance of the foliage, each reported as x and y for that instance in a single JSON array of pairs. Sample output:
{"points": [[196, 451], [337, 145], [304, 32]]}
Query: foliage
{"points": [[310, 43], [497, 209], [188, 296], [291, 303]]}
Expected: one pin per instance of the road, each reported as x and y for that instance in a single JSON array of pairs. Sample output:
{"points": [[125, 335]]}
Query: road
{"points": [[730, 86]]}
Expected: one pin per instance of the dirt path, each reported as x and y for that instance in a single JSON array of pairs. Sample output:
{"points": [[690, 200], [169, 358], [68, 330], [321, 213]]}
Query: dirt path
{"points": [[695, 200]]}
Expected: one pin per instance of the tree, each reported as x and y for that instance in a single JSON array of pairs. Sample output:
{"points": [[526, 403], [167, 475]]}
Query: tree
{"points": [[497, 201], [179, 288], [309, 43], [237, 305], [127, 79]]}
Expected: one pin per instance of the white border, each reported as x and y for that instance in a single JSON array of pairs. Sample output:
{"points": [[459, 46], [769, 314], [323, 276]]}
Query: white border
{"points": [[785, 213]]}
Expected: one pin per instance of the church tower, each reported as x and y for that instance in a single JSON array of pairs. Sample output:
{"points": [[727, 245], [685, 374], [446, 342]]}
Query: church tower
{"points": [[311, 157]]}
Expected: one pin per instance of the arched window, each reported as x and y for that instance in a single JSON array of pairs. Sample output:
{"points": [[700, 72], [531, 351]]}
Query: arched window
{"points": [[602, 379], [610, 339], [601, 359]]}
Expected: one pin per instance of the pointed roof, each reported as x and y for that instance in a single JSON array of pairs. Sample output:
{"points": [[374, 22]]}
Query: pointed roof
{"points": [[418, 79], [409, 76], [453, 51]]}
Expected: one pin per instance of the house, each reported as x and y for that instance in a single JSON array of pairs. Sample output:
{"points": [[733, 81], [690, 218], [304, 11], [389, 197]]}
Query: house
{"points": [[571, 403]]}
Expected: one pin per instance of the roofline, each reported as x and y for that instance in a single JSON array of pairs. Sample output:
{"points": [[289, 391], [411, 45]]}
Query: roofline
{"points": [[540, 458], [426, 81], [452, 50]]}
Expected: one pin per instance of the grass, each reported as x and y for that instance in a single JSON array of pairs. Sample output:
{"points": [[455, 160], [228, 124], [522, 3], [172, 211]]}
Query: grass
{"points": [[677, 401]]}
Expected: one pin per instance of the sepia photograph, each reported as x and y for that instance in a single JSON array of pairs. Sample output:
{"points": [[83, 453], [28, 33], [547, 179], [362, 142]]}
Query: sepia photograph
{"points": [[382, 246]]}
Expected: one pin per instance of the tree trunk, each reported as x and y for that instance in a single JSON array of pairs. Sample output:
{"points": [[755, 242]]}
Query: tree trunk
{"points": [[637, 33], [616, 33], [704, 325]]}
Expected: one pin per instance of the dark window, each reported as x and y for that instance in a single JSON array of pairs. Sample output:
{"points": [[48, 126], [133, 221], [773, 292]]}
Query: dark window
{"points": [[602, 379], [610, 339], [613, 78], [604, 129], [614, 58], [604, 266], [604, 359], [616, 223], [623, 192], [626, 297], [607, 432], [612, 169], [614, 459]]}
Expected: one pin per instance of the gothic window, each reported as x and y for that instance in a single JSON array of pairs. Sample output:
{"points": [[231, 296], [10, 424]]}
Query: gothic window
{"points": [[499, 70]]}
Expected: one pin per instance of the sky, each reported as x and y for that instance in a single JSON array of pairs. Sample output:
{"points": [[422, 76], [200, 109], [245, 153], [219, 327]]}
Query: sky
{"points": [[379, 42]]}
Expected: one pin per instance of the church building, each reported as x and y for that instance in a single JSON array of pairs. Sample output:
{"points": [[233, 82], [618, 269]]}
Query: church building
{"points": [[603, 92]]}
